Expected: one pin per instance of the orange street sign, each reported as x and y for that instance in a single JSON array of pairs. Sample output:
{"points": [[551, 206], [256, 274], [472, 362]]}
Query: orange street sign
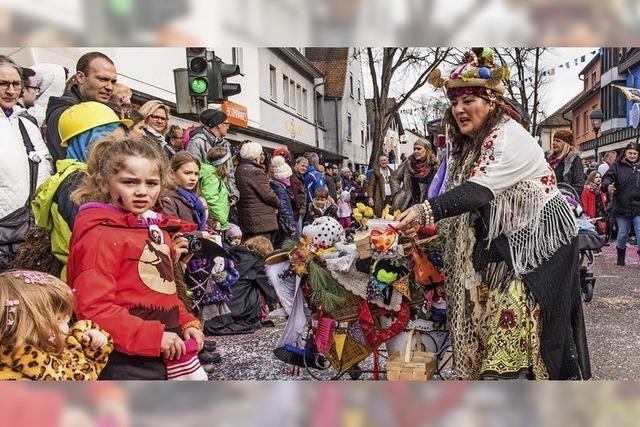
{"points": [[236, 113]]}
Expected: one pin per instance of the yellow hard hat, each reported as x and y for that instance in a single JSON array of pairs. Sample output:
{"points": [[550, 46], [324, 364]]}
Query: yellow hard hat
{"points": [[81, 117]]}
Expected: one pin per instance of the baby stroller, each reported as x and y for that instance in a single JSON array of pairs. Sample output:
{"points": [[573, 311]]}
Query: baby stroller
{"points": [[588, 243]]}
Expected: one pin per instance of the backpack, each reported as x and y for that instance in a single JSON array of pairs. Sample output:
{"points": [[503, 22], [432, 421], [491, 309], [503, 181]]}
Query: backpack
{"points": [[186, 136]]}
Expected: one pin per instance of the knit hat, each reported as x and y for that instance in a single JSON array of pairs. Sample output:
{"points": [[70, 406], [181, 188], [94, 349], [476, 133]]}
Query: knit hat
{"points": [[251, 151], [233, 231], [281, 170], [477, 75], [212, 118], [284, 152], [564, 135]]}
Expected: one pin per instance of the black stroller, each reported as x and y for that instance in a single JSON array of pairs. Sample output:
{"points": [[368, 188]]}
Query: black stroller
{"points": [[588, 243]]}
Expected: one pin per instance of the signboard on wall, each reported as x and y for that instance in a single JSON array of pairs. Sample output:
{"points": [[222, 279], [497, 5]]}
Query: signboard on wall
{"points": [[236, 114]]}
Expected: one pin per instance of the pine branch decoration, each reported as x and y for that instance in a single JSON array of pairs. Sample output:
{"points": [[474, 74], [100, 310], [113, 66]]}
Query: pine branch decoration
{"points": [[325, 290]]}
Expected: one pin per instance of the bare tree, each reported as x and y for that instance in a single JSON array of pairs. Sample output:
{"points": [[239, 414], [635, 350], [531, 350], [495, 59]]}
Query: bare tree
{"points": [[389, 66], [526, 80]]}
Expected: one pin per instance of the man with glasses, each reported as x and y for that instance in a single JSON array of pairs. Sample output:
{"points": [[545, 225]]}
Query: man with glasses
{"points": [[212, 133], [94, 80], [30, 92]]}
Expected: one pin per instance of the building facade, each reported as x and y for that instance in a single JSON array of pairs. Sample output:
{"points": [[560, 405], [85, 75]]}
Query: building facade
{"points": [[344, 102]]}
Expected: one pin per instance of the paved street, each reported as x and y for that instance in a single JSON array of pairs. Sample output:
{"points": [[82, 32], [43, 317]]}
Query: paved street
{"points": [[613, 330], [613, 317]]}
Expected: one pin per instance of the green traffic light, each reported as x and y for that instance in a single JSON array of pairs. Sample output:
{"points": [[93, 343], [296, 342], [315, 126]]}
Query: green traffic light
{"points": [[199, 85]]}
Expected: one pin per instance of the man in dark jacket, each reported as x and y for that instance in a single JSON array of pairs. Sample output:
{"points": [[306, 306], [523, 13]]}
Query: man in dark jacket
{"points": [[211, 134], [623, 181], [330, 181], [313, 178], [94, 80], [379, 186]]}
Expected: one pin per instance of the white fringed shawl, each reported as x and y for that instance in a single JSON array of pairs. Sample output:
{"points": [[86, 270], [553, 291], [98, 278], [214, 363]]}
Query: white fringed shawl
{"points": [[528, 207]]}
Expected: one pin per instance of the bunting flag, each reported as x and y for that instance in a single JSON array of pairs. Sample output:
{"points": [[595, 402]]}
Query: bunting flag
{"points": [[631, 93]]}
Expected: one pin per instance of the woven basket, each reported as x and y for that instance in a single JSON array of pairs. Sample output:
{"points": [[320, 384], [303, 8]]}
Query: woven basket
{"points": [[352, 353], [350, 309], [411, 365]]}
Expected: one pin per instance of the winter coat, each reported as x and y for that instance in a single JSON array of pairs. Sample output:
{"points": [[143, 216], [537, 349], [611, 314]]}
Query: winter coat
{"points": [[313, 179], [375, 190], [51, 80], [215, 193], [124, 281], [56, 106], [589, 201], [201, 141], [346, 183], [286, 210], [626, 177], [331, 186], [258, 205], [53, 209], [299, 199], [570, 171], [15, 178], [402, 187], [78, 361], [175, 205]]}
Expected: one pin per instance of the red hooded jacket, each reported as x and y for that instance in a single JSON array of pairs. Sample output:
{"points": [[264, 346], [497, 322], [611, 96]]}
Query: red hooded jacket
{"points": [[123, 280]]}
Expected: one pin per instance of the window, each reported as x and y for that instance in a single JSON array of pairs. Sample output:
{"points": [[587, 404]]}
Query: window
{"points": [[237, 58], [361, 134], [358, 92], [285, 89], [585, 122], [299, 98], [292, 94], [593, 78], [349, 126], [577, 125], [351, 85], [304, 103], [273, 83]]}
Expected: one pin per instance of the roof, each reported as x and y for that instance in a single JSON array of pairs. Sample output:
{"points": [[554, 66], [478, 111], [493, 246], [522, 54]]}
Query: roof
{"points": [[590, 64], [333, 62], [556, 118]]}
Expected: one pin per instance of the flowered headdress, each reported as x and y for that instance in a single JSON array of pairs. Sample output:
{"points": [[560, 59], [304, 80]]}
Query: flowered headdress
{"points": [[477, 75]]}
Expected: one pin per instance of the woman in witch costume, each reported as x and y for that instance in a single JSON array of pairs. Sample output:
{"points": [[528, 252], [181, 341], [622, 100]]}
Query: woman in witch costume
{"points": [[511, 254]]}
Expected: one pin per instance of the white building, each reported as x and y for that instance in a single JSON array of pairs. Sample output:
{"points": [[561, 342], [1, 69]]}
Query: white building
{"points": [[344, 103], [279, 88]]}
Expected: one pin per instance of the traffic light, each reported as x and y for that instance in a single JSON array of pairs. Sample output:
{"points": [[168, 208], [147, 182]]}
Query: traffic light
{"points": [[198, 71], [220, 90]]}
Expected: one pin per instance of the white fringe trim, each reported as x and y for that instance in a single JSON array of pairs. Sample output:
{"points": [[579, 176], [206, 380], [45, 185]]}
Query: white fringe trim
{"points": [[536, 224]]}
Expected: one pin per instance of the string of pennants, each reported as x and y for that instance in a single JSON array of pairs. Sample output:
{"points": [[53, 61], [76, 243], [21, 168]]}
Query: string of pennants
{"points": [[549, 71]]}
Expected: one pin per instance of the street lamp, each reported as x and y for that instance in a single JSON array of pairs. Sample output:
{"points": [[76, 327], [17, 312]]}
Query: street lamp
{"points": [[596, 117]]}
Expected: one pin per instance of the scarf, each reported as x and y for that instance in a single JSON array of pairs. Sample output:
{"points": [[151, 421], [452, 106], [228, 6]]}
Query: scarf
{"points": [[419, 169], [555, 159], [199, 211]]}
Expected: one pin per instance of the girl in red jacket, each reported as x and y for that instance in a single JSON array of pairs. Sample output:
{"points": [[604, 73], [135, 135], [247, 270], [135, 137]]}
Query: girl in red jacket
{"points": [[594, 201], [121, 262]]}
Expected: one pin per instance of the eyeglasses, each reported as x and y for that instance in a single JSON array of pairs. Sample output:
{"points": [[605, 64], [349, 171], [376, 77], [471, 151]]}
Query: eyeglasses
{"points": [[36, 88], [158, 118], [17, 84]]}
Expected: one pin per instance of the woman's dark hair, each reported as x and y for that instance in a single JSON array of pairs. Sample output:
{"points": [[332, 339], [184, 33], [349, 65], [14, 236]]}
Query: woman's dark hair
{"points": [[465, 145], [134, 116]]}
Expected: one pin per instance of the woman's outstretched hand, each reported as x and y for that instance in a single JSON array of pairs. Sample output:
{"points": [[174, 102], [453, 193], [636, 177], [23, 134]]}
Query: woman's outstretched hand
{"points": [[409, 224]]}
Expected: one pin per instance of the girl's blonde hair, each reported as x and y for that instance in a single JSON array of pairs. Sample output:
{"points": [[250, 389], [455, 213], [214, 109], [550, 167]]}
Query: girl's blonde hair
{"points": [[39, 304], [180, 159], [106, 158], [260, 245], [217, 153], [591, 177], [150, 107]]}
